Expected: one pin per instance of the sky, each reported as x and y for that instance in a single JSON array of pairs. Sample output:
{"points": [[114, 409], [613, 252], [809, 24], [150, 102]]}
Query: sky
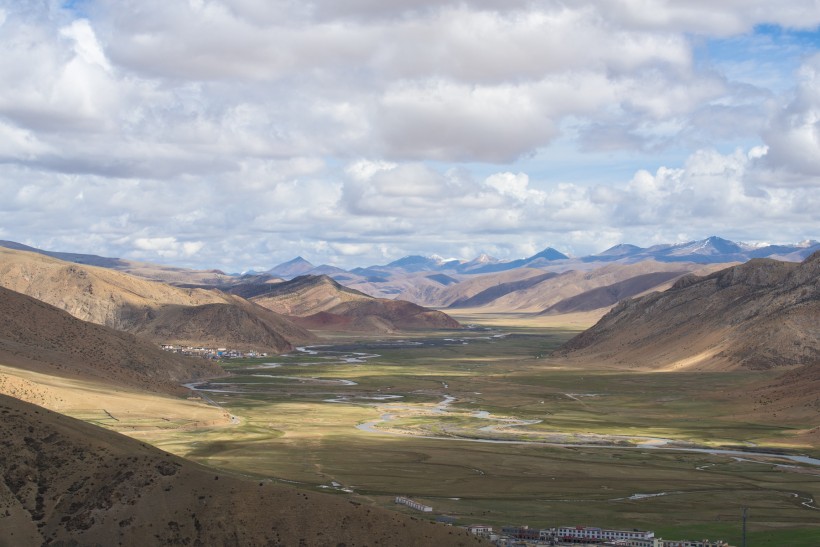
{"points": [[237, 134]]}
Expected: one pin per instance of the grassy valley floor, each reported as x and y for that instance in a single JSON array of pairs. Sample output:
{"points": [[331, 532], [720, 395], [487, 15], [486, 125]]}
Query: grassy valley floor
{"points": [[415, 416]]}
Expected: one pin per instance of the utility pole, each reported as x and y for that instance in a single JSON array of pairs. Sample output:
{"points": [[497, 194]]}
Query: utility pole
{"points": [[744, 526]]}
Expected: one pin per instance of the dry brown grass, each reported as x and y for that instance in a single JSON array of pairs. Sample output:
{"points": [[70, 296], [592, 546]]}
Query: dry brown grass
{"points": [[74, 483]]}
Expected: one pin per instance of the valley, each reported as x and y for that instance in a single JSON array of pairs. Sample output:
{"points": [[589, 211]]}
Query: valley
{"points": [[666, 398], [409, 274], [483, 425]]}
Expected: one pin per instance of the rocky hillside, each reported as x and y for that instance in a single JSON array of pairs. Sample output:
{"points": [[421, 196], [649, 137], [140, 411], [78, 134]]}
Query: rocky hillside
{"points": [[609, 295], [759, 315], [378, 315], [240, 325], [66, 482], [156, 272], [574, 290], [145, 307], [37, 336], [306, 295], [319, 302]]}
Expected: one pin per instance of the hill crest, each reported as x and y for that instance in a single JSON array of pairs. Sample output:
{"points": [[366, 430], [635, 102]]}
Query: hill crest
{"points": [[761, 314], [132, 304], [321, 303], [37, 336]]}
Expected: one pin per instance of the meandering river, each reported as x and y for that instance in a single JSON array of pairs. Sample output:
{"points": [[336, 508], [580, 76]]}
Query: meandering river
{"points": [[392, 410]]}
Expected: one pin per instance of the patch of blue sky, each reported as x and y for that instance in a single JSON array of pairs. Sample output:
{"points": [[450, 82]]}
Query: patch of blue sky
{"points": [[563, 162], [77, 7], [766, 58]]}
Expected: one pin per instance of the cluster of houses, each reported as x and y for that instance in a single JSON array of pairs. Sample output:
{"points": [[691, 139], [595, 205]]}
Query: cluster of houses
{"points": [[510, 536], [212, 353], [524, 536]]}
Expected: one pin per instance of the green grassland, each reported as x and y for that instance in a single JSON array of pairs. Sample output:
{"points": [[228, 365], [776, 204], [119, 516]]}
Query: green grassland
{"points": [[298, 424]]}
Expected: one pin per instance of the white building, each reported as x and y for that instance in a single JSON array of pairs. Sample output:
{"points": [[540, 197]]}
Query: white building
{"points": [[600, 534], [480, 529], [413, 504]]}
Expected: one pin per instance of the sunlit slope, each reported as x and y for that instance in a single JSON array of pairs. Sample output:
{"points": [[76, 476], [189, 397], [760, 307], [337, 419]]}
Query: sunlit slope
{"points": [[157, 272], [760, 315], [569, 291], [319, 302], [149, 308], [306, 295], [37, 336]]}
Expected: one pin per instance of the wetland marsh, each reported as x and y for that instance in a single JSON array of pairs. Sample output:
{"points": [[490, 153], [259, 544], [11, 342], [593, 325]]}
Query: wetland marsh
{"points": [[484, 428]]}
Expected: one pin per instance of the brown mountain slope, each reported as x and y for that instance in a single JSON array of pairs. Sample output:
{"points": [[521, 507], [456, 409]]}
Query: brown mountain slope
{"points": [[378, 315], [608, 295], [306, 295], [132, 304], [40, 337], [490, 294], [319, 302], [442, 295], [156, 272], [761, 314], [239, 325], [90, 293], [66, 482], [422, 288], [534, 295]]}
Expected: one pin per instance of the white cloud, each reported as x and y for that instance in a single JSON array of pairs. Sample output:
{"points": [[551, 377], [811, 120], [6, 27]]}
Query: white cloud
{"points": [[794, 135], [85, 43], [509, 184], [217, 132], [719, 18], [167, 247]]}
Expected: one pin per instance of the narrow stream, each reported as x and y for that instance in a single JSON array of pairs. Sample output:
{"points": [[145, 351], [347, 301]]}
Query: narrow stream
{"points": [[371, 427], [392, 411]]}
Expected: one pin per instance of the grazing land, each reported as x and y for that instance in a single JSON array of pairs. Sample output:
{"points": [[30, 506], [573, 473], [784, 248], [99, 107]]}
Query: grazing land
{"points": [[484, 427]]}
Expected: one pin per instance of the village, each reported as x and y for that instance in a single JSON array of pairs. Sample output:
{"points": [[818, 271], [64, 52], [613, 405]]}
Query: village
{"points": [[524, 536], [212, 353]]}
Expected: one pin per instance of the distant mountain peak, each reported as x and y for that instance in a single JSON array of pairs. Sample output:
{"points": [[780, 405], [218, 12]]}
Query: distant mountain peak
{"points": [[712, 245], [483, 258], [292, 268], [297, 260], [549, 254]]}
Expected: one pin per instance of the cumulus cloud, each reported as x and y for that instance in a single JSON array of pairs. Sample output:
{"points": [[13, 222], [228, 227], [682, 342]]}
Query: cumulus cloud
{"points": [[167, 247], [244, 132], [794, 134]]}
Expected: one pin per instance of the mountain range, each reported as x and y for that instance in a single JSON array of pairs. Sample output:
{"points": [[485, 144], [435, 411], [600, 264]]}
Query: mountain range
{"points": [[67, 482], [157, 272], [760, 315], [485, 282], [662, 308], [40, 337], [152, 309], [256, 310], [255, 318], [321, 303], [711, 250], [764, 314]]}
